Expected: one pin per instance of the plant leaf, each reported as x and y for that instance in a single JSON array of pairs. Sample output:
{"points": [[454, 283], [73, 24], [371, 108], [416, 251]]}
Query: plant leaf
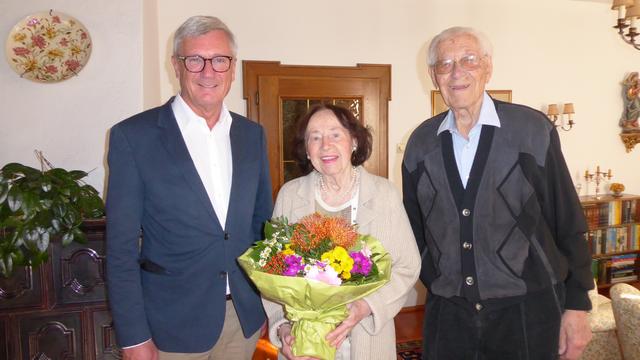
{"points": [[77, 174], [14, 199], [67, 238], [79, 236], [43, 242], [4, 191]]}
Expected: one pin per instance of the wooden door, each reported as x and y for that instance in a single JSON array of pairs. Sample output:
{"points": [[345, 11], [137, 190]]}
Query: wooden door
{"points": [[277, 95]]}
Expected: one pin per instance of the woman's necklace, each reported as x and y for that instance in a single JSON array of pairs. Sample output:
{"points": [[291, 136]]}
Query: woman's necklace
{"points": [[340, 195]]}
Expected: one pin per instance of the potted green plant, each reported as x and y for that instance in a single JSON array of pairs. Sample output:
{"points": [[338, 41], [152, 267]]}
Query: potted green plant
{"points": [[39, 205]]}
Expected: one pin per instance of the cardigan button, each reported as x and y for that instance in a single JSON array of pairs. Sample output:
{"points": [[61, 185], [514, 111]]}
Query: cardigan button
{"points": [[469, 280], [466, 212], [467, 245]]}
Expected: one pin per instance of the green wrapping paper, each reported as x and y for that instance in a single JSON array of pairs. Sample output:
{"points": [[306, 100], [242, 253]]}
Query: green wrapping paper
{"points": [[316, 308]]}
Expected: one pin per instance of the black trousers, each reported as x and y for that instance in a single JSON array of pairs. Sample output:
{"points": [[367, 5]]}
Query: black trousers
{"points": [[527, 329]]}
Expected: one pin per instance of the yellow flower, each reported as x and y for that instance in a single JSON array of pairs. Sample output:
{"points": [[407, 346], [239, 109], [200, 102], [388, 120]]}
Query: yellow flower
{"points": [[328, 257], [75, 50], [51, 32], [19, 37], [55, 53], [287, 250], [340, 261]]}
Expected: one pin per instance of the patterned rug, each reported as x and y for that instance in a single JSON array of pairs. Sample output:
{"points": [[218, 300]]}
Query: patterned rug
{"points": [[410, 350]]}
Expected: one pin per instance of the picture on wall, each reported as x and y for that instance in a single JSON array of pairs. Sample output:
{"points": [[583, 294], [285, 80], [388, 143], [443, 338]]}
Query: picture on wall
{"points": [[438, 105]]}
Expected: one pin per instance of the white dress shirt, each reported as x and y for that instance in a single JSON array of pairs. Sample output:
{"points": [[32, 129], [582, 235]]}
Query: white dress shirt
{"points": [[465, 149], [210, 150]]}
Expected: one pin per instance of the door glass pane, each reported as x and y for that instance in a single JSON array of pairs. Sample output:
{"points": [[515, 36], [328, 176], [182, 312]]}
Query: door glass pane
{"points": [[292, 110]]}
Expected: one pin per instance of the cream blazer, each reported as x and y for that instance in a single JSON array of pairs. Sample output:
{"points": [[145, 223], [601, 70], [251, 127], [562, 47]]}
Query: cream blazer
{"points": [[380, 213]]}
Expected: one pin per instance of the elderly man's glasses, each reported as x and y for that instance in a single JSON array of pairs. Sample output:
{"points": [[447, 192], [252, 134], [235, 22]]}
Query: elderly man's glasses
{"points": [[467, 62], [196, 63]]}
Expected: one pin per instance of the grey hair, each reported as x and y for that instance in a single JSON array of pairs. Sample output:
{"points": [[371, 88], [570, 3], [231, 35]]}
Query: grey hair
{"points": [[200, 25], [483, 41]]}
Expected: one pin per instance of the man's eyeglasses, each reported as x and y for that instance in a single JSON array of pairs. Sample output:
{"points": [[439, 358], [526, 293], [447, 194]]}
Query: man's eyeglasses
{"points": [[196, 63], [467, 62]]}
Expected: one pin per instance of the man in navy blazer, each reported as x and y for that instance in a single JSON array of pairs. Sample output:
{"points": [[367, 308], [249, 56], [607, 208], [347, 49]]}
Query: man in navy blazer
{"points": [[189, 191]]}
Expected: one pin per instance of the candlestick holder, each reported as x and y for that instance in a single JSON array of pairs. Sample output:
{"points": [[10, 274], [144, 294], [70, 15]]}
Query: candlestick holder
{"points": [[597, 177]]}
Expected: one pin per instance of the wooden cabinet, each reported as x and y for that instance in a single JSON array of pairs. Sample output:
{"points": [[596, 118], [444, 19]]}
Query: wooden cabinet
{"points": [[59, 310], [613, 238]]}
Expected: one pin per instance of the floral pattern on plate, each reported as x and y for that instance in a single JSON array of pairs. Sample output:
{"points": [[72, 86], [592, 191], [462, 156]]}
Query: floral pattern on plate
{"points": [[48, 47]]}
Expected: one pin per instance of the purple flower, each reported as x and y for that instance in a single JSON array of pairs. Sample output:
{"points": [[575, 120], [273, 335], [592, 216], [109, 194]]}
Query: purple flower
{"points": [[293, 265], [361, 263]]}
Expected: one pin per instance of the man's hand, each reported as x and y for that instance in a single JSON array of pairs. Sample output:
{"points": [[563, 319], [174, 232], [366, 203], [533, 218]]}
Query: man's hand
{"points": [[358, 310], [575, 334], [284, 333], [144, 351]]}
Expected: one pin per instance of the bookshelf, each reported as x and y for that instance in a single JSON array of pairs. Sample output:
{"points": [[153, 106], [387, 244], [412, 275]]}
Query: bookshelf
{"points": [[613, 238]]}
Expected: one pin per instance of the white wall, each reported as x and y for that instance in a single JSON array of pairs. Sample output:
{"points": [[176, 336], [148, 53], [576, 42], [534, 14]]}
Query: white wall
{"points": [[544, 51], [69, 120]]}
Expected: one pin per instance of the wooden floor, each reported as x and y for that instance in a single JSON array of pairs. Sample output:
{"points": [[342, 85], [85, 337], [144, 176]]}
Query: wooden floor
{"points": [[408, 328], [409, 323]]}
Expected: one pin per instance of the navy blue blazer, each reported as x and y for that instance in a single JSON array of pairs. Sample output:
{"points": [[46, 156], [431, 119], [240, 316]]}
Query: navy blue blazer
{"points": [[171, 286]]}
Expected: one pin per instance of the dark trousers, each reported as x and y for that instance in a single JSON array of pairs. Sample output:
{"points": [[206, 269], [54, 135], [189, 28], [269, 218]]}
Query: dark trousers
{"points": [[523, 330]]}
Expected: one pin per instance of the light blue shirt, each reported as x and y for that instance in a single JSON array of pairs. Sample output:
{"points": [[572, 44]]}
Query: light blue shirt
{"points": [[463, 149]]}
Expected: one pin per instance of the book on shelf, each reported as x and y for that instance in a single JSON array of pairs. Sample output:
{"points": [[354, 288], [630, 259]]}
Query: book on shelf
{"points": [[624, 279], [612, 213], [613, 237]]}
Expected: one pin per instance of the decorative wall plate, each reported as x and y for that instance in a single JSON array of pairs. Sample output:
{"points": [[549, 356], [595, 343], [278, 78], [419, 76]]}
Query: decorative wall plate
{"points": [[48, 47]]}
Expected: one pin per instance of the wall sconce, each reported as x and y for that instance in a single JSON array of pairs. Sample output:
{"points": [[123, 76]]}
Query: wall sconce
{"points": [[628, 19], [554, 115]]}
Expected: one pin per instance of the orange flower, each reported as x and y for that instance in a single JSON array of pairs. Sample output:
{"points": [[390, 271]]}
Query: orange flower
{"points": [[340, 232], [313, 229], [276, 264], [307, 235]]}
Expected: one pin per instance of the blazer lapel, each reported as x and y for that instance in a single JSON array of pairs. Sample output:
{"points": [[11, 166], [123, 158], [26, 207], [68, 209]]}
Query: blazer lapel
{"points": [[238, 156], [179, 156]]}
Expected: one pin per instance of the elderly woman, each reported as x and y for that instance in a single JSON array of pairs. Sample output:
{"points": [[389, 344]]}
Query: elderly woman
{"points": [[330, 146]]}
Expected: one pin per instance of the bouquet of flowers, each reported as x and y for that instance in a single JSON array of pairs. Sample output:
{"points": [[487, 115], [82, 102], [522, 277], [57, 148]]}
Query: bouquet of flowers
{"points": [[314, 268]]}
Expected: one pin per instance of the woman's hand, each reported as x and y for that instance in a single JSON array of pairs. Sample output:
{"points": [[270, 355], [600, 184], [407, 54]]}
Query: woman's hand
{"points": [[358, 310], [284, 333]]}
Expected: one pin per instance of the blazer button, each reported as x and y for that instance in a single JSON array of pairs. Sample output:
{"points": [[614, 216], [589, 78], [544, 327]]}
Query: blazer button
{"points": [[222, 274], [226, 236], [466, 212]]}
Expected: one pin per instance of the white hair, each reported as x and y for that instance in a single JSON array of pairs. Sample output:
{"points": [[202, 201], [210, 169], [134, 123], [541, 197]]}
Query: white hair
{"points": [[200, 25], [483, 41]]}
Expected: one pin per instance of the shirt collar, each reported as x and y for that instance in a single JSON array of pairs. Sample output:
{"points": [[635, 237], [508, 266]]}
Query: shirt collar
{"points": [[186, 117], [488, 116]]}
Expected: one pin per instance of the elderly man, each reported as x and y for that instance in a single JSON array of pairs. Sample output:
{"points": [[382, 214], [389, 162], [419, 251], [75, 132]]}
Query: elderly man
{"points": [[192, 178], [496, 218]]}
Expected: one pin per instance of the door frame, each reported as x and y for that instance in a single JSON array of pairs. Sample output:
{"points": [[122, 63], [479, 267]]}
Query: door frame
{"points": [[380, 73]]}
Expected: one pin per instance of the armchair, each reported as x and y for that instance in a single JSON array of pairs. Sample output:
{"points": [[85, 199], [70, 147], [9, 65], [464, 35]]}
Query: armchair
{"points": [[604, 344], [625, 300]]}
